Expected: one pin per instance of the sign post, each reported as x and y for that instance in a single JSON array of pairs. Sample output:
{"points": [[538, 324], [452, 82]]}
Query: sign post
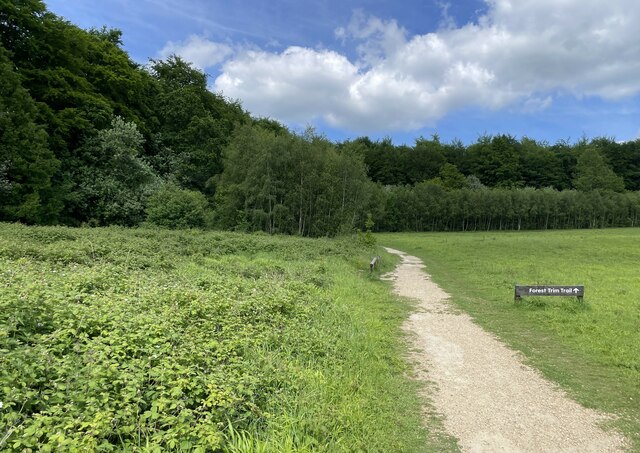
{"points": [[549, 290]]}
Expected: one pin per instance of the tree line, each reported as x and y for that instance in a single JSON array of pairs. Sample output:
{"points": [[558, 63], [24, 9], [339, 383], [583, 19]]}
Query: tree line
{"points": [[505, 162], [89, 137], [429, 207]]}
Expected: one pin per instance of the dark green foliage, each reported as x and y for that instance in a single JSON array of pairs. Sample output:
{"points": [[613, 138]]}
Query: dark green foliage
{"points": [[80, 79], [496, 161], [541, 166], [624, 159], [426, 160], [112, 181], [429, 207], [384, 161], [592, 172], [452, 178], [26, 163], [194, 125], [20, 23], [173, 207]]}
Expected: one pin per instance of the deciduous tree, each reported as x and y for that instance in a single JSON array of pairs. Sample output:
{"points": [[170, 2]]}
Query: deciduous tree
{"points": [[593, 172], [26, 162]]}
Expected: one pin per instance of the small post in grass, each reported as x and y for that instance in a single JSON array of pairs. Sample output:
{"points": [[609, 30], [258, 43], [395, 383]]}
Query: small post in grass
{"points": [[373, 263]]}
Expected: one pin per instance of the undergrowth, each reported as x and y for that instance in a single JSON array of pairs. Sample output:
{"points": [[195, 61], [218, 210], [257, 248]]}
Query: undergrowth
{"points": [[149, 340]]}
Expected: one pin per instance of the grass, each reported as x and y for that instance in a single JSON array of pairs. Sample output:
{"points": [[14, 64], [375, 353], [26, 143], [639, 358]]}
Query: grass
{"points": [[591, 349], [148, 340], [348, 396]]}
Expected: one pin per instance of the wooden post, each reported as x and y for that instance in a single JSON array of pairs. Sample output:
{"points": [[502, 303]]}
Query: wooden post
{"points": [[373, 263]]}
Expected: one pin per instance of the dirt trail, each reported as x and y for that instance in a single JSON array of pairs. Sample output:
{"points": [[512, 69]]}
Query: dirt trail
{"points": [[490, 400]]}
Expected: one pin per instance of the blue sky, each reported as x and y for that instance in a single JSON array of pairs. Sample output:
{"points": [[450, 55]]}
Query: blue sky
{"points": [[548, 69]]}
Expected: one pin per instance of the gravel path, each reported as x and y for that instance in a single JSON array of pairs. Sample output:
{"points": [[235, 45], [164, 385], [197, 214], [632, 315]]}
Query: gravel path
{"points": [[490, 400]]}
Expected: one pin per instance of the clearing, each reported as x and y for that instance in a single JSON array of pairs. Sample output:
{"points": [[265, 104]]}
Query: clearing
{"points": [[490, 399]]}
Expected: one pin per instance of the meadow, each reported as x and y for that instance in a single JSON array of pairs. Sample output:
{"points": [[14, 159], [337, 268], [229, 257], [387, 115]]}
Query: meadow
{"points": [[590, 348], [120, 339]]}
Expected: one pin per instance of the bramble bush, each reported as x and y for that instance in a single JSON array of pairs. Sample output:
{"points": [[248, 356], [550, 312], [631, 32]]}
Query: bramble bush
{"points": [[101, 347]]}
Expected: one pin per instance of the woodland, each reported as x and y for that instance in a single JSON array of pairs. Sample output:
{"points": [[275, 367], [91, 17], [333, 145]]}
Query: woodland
{"points": [[88, 137]]}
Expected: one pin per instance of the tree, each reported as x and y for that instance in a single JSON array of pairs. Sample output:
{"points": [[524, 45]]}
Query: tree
{"points": [[256, 180], [20, 26], [26, 162], [425, 160], [112, 180], [496, 161], [623, 157], [452, 178], [541, 167], [78, 79], [567, 154], [474, 183], [285, 183], [385, 163], [457, 154], [194, 125], [593, 172]]}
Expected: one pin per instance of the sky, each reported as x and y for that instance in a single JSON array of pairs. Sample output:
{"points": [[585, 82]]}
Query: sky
{"points": [[547, 69]]}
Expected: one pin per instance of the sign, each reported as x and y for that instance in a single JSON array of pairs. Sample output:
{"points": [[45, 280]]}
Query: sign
{"points": [[549, 290]]}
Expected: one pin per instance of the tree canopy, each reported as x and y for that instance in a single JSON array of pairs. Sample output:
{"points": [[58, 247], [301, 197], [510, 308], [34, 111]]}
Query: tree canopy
{"points": [[88, 136], [27, 165]]}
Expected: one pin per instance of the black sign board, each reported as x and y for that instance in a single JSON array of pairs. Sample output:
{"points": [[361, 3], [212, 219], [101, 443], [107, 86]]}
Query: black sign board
{"points": [[549, 290]]}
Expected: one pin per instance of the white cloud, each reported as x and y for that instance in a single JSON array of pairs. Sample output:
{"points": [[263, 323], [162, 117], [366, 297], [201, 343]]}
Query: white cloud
{"points": [[446, 21], [297, 85], [520, 53], [198, 50], [378, 38], [536, 104]]}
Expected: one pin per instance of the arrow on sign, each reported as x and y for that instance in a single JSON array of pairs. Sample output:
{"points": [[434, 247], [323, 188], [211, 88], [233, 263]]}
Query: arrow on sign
{"points": [[576, 290]]}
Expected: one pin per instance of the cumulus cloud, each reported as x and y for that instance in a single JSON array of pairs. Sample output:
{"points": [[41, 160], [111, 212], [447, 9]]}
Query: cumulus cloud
{"points": [[378, 38], [520, 53], [292, 84], [198, 50]]}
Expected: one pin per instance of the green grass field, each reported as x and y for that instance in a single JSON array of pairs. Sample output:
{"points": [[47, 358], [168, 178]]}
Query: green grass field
{"points": [[591, 349], [146, 340]]}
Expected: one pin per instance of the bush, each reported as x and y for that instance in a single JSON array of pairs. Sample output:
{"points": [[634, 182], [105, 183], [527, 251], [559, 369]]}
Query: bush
{"points": [[173, 207]]}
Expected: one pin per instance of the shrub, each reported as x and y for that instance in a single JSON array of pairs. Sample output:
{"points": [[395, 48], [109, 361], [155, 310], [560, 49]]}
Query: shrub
{"points": [[173, 207]]}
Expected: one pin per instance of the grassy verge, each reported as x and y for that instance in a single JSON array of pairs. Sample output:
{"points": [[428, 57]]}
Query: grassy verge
{"points": [[346, 397], [592, 349], [146, 340]]}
